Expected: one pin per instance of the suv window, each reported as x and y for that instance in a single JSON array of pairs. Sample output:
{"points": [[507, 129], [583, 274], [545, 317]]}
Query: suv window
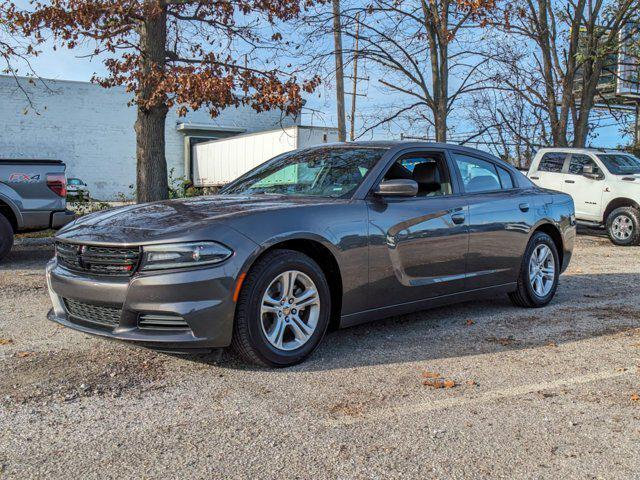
{"points": [[552, 162], [477, 175], [578, 161]]}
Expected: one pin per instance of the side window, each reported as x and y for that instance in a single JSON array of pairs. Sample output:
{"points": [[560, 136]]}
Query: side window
{"points": [[578, 161], [429, 171], [552, 162], [477, 175], [505, 178]]}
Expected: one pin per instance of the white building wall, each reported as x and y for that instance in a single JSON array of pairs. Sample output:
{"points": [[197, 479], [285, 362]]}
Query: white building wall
{"points": [[91, 129]]}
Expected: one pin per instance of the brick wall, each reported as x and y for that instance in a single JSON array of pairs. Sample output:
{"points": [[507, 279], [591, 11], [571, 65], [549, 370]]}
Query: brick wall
{"points": [[91, 130]]}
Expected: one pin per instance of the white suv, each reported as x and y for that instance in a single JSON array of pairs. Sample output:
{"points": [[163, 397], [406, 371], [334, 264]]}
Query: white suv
{"points": [[605, 186]]}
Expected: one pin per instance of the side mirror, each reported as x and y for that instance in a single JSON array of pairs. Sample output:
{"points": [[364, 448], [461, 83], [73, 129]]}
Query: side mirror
{"points": [[589, 172], [397, 188]]}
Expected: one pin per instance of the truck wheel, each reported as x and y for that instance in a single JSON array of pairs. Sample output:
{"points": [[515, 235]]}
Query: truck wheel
{"points": [[6, 236], [283, 310], [623, 226], [539, 273]]}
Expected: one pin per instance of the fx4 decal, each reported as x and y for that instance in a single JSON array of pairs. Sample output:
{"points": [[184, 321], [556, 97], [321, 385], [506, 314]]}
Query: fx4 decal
{"points": [[24, 178]]}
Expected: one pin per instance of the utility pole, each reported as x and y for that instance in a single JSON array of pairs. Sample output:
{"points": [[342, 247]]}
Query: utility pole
{"points": [[636, 131], [355, 82], [337, 40]]}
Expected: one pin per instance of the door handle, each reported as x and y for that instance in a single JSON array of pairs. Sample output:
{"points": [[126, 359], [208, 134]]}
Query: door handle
{"points": [[458, 218], [534, 178], [524, 207], [569, 181]]}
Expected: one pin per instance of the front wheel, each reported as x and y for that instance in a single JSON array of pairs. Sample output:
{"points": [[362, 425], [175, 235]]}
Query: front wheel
{"points": [[283, 310], [539, 273], [623, 226]]}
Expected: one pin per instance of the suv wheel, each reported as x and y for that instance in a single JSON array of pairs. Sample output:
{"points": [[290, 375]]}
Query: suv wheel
{"points": [[539, 273], [283, 310], [623, 226], [6, 236]]}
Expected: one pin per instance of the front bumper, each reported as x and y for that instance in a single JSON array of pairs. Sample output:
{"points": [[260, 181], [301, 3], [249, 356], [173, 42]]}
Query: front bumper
{"points": [[202, 297]]}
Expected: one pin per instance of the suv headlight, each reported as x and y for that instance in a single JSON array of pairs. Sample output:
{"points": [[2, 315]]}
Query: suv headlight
{"points": [[177, 255]]}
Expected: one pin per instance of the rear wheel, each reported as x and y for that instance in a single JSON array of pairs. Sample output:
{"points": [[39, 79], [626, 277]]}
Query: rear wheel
{"points": [[283, 310], [539, 273], [623, 226], [6, 236]]}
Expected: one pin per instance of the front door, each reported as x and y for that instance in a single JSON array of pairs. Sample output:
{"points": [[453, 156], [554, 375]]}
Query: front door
{"points": [[586, 192], [418, 245]]}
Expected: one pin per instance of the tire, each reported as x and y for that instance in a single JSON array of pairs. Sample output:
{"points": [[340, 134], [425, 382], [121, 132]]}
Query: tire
{"points": [[623, 226], [255, 333], [6, 236], [527, 294]]}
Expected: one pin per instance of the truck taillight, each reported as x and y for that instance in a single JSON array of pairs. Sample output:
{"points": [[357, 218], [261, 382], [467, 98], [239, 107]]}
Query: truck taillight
{"points": [[57, 182]]}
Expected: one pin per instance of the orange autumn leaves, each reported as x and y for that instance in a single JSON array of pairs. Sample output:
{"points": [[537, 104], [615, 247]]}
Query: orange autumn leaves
{"points": [[196, 69], [435, 380]]}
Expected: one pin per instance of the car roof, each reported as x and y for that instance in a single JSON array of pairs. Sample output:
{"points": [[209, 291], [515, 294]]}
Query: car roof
{"points": [[581, 150], [402, 144]]}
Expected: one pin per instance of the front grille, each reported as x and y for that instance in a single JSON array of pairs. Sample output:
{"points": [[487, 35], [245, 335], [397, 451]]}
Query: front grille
{"points": [[95, 314], [116, 261]]}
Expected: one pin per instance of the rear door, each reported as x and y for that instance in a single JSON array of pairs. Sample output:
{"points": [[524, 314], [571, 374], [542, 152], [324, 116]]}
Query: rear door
{"points": [[586, 192], [418, 245], [500, 218], [549, 173]]}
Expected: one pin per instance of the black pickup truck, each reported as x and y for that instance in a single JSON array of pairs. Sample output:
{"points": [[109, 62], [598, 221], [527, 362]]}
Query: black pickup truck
{"points": [[32, 197]]}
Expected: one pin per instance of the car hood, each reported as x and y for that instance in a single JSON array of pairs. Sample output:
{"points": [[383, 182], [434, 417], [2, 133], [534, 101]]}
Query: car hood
{"points": [[173, 219]]}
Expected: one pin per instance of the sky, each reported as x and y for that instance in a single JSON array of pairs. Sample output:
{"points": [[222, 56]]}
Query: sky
{"points": [[64, 64]]}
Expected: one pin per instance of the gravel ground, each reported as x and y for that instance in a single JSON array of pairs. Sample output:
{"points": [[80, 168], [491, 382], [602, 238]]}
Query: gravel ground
{"points": [[548, 393]]}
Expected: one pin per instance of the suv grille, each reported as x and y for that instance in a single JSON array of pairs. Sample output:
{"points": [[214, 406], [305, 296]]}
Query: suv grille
{"points": [[86, 312], [118, 261]]}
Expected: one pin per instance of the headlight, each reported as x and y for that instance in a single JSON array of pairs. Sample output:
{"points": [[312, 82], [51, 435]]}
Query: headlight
{"points": [[176, 255]]}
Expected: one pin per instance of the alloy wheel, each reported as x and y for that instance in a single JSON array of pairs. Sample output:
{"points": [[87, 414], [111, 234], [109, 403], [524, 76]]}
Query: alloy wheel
{"points": [[290, 310], [542, 270], [622, 227]]}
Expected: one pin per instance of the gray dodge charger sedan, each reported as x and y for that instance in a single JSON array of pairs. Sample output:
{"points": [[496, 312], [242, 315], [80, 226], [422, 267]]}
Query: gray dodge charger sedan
{"points": [[337, 234]]}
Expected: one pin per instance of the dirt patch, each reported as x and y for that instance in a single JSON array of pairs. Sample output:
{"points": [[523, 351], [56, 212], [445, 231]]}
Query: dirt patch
{"points": [[356, 404], [63, 376]]}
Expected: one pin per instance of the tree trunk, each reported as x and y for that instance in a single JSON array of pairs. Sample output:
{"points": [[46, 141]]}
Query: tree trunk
{"points": [[151, 181], [151, 184], [440, 121]]}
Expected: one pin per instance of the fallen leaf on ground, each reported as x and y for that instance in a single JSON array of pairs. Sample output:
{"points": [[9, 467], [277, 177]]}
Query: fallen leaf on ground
{"points": [[24, 354], [427, 374], [473, 383], [552, 345], [470, 322], [635, 397], [5, 341], [439, 383], [621, 369]]}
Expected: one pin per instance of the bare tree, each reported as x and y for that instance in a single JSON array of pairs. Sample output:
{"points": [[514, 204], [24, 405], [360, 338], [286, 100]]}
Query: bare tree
{"points": [[417, 47], [506, 125], [553, 54]]}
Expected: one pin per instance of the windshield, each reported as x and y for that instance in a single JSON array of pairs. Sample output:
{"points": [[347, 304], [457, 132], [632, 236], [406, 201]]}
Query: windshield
{"points": [[620, 164], [74, 181], [324, 172]]}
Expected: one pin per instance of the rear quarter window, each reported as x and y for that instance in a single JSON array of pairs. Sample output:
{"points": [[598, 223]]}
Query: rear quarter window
{"points": [[505, 178]]}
